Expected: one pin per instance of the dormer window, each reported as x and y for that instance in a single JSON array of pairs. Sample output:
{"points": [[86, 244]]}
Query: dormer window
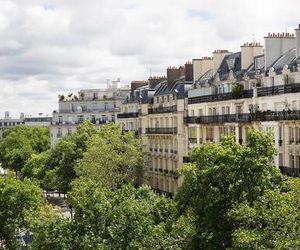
{"points": [[230, 63]]}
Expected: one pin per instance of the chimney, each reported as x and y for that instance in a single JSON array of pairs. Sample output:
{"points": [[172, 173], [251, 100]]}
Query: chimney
{"points": [[181, 71], [248, 52], [218, 56], [276, 44], [137, 84], [201, 66], [6, 115], [297, 32], [154, 80], [173, 74], [188, 68]]}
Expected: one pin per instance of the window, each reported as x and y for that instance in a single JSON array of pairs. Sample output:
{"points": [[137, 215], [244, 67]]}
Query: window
{"points": [[59, 132], [106, 106], [200, 112], [227, 110], [69, 131], [95, 96], [60, 119], [94, 106], [80, 118], [192, 113]]}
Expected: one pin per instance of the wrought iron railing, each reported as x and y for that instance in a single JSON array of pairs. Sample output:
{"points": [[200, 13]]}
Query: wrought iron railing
{"points": [[251, 117], [161, 130]]}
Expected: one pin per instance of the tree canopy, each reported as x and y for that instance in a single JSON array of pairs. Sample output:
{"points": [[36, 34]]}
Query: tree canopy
{"points": [[20, 142], [219, 177], [18, 200], [113, 158]]}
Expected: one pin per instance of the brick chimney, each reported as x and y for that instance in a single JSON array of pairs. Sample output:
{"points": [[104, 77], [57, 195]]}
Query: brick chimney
{"points": [[297, 32], [201, 66], [218, 56], [248, 52], [154, 80], [276, 44], [188, 68], [173, 73], [137, 84]]}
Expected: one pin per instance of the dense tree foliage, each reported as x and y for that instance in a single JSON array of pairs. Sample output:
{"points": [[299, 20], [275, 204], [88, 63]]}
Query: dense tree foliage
{"points": [[125, 218], [20, 142], [18, 200], [232, 196], [65, 155], [272, 222], [113, 158], [219, 178]]}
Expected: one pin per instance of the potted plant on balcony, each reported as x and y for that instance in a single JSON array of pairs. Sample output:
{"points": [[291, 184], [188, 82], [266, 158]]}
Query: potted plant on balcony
{"points": [[81, 94], [61, 98], [237, 89]]}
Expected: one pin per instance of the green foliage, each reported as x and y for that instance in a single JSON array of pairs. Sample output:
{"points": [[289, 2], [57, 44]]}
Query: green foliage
{"points": [[271, 223], [18, 200], [51, 231], [65, 155], [36, 167], [222, 176], [237, 88], [113, 158], [20, 142], [126, 218]]}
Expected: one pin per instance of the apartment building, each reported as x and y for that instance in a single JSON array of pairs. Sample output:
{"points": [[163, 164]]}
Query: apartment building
{"points": [[100, 106], [250, 88], [7, 122], [156, 109]]}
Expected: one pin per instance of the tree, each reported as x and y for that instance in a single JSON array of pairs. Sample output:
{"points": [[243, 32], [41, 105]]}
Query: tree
{"points": [[36, 167], [113, 158], [18, 200], [51, 231], [20, 142], [272, 222], [65, 155], [219, 177]]}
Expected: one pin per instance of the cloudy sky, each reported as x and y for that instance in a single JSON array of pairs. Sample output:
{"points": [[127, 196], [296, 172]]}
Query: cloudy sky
{"points": [[59, 46]]}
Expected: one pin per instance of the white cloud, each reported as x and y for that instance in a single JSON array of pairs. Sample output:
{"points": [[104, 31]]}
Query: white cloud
{"points": [[49, 47]]}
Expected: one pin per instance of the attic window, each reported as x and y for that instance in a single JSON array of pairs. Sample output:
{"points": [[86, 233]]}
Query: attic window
{"points": [[230, 63]]}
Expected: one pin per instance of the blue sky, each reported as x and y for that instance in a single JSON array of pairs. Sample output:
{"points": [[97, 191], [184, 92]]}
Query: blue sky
{"points": [[49, 47]]}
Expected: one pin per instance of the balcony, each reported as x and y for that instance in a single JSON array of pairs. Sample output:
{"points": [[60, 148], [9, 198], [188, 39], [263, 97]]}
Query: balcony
{"points": [[186, 159], [221, 97], [240, 118], [88, 110], [94, 121], [158, 110], [293, 172], [277, 90], [128, 115], [161, 130]]}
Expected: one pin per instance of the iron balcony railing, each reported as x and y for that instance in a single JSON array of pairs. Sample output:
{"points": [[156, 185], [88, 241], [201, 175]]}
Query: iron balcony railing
{"points": [[157, 110], [94, 121], [261, 91], [128, 115], [280, 89], [239, 118], [294, 172], [161, 130], [221, 97]]}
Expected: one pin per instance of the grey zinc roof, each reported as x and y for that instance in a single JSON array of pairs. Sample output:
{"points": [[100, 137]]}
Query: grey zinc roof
{"points": [[180, 87], [230, 62], [286, 59]]}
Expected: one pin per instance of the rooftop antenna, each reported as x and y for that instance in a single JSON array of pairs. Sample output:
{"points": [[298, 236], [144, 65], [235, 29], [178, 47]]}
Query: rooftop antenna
{"points": [[253, 38]]}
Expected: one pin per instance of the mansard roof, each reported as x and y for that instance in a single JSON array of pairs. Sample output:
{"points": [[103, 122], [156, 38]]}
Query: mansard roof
{"points": [[181, 86]]}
